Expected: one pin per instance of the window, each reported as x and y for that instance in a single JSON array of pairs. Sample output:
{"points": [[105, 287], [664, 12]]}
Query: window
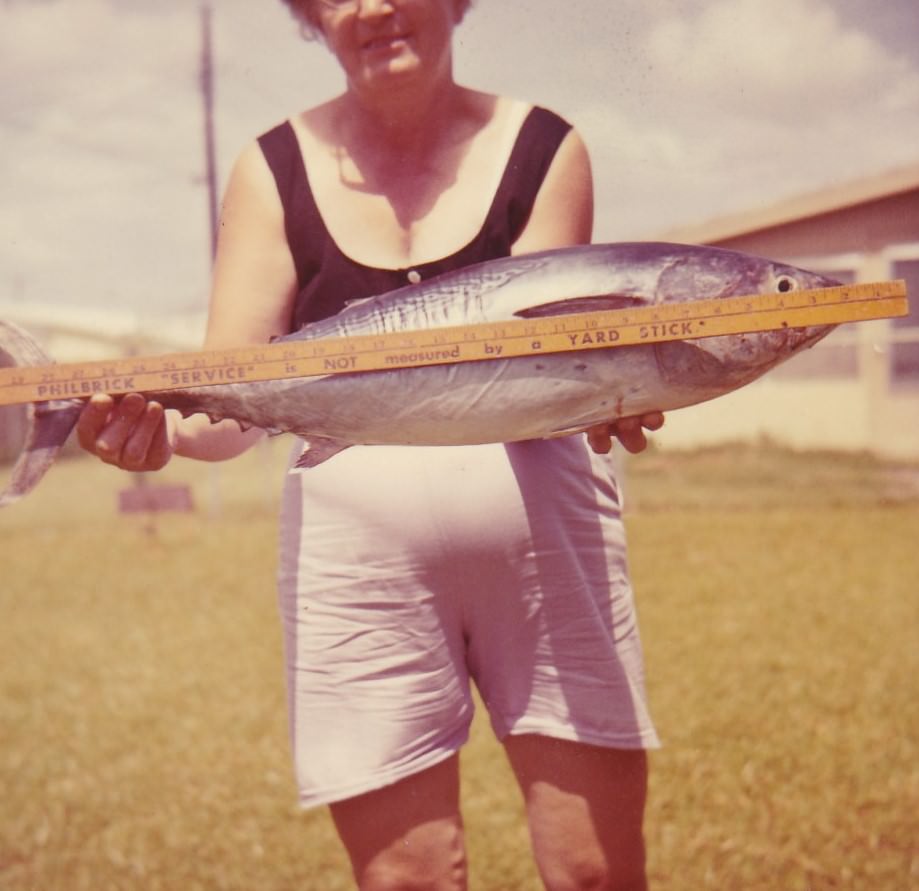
{"points": [[904, 351]]}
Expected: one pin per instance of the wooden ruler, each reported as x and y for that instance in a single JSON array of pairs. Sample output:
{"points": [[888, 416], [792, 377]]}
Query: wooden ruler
{"points": [[463, 343]]}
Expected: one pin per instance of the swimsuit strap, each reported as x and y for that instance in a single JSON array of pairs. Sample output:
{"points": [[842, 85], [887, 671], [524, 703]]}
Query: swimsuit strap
{"points": [[303, 225], [534, 150]]}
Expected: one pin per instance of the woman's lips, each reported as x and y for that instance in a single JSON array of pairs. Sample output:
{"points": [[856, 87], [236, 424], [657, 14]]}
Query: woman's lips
{"points": [[384, 42]]}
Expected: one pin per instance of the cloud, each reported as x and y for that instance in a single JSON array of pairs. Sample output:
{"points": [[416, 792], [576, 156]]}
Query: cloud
{"points": [[793, 59], [101, 139], [746, 103], [740, 50], [690, 109], [102, 150]]}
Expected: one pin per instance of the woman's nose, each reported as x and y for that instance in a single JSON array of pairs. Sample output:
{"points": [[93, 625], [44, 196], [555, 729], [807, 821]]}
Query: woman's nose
{"points": [[370, 8]]}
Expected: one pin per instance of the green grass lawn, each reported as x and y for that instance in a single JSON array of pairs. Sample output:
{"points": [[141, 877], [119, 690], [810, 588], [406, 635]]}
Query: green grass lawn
{"points": [[142, 726]]}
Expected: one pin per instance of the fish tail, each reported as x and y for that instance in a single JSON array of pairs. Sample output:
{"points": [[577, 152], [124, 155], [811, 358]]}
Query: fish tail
{"points": [[48, 423]]}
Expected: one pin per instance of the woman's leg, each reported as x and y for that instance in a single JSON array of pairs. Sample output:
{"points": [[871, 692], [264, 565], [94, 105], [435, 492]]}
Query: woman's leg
{"points": [[585, 806], [408, 835]]}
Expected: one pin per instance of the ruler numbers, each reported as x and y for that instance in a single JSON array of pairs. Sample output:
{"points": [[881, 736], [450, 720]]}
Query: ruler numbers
{"points": [[472, 342]]}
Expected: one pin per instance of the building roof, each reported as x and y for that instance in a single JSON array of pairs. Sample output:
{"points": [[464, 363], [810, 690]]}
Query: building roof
{"points": [[89, 329], [828, 200]]}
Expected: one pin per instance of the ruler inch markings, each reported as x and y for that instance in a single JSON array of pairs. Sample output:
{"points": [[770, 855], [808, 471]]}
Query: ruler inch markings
{"points": [[480, 341]]}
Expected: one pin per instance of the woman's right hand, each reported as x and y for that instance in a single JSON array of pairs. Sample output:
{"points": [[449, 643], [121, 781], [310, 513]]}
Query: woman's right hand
{"points": [[129, 432]]}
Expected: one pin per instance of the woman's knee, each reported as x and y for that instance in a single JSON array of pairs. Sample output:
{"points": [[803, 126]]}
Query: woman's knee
{"points": [[574, 872], [407, 836], [585, 806], [431, 858]]}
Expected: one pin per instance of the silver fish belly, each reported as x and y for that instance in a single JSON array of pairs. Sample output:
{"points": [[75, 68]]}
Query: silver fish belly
{"points": [[500, 399]]}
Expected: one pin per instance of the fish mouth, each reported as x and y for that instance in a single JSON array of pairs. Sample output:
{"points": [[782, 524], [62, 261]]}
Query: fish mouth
{"points": [[804, 338]]}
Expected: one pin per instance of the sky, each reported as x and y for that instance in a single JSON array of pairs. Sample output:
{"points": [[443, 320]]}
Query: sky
{"points": [[691, 109]]}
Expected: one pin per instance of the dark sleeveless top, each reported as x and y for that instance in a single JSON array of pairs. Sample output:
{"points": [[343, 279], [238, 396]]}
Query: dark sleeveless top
{"points": [[328, 279]]}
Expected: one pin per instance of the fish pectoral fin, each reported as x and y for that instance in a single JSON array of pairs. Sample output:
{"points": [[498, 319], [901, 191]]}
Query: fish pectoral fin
{"points": [[318, 450], [590, 303], [688, 363]]}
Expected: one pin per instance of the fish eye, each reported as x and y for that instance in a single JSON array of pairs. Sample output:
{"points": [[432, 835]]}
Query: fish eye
{"points": [[785, 283]]}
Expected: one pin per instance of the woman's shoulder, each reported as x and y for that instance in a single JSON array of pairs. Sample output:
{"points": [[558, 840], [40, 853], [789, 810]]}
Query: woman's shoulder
{"points": [[310, 123], [319, 120], [521, 108]]}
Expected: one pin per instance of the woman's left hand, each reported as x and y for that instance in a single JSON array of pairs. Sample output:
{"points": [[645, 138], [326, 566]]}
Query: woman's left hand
{"points": [[629, 431]]}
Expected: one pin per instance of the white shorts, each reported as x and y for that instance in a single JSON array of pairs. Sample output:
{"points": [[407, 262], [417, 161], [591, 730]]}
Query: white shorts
{"points": [[405, 572]]}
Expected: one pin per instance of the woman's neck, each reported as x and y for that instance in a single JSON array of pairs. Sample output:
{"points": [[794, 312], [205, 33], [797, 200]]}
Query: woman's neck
{"points": [[401, 116]]}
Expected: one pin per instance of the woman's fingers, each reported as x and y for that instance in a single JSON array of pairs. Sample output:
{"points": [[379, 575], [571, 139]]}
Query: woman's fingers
{"points": [[130, 433], [93, 419], [146, 446], [600, 438], [114, 435], [629, 431]]}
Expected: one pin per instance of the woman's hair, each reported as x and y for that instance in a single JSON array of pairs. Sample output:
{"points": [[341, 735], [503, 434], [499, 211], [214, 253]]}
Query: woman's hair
{"points": [[306, 13]]}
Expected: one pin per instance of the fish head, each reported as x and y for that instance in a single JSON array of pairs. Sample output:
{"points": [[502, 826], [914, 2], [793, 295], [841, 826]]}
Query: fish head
{"points": [[728, 361], [645, 274]]}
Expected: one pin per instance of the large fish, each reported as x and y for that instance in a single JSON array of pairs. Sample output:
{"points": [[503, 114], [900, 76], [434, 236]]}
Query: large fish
{"points": [[495, 400]]}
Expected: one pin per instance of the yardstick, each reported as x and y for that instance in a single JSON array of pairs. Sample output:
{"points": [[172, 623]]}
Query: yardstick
{"points": [[462, 343]]}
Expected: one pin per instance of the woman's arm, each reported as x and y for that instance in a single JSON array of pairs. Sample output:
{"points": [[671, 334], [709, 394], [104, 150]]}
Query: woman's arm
{"points": [[254, 284], [562, 216], [563, 213]]}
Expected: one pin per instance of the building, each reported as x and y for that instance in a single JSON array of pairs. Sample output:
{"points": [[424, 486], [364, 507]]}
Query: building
{"points": [[858, 389]]}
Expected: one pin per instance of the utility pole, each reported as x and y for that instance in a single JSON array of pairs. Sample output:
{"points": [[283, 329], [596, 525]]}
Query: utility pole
{"points": [[207, 96], [210, 172]]}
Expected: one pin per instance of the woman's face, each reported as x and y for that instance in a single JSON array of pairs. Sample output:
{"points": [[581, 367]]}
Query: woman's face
{"points": [[380, 41]]}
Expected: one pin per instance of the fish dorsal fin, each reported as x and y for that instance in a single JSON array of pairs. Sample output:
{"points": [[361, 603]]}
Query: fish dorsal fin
{"points": [[592, 303]]}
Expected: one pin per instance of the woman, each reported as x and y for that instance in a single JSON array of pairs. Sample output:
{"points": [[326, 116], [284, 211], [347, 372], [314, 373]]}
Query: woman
{"points": [[407, 572]]}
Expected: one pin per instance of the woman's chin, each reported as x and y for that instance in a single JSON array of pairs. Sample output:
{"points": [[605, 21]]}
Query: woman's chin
{"points": [[378, 68]]}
